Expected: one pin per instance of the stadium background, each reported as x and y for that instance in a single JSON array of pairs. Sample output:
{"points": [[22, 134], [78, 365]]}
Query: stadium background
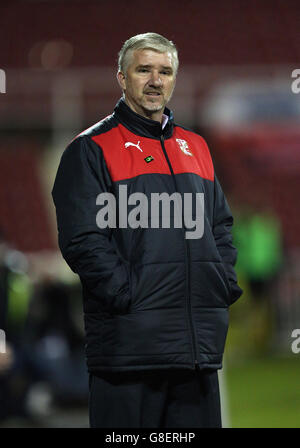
{"points": [[235, 88]]}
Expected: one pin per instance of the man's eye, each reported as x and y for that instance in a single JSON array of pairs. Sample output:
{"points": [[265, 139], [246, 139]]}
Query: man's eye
{"points": [[143, 70]]}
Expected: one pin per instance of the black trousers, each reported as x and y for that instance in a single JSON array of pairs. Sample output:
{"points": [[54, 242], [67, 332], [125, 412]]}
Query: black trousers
{"points": [[155, 399]]}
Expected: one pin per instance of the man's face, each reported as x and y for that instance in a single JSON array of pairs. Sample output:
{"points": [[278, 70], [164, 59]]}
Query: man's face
{"points": [[149, 82]]}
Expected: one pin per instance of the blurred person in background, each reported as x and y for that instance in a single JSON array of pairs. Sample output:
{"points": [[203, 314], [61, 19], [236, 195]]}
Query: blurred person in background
{"points": [[6, 357], [42, 364], [258, 237], [55, 344], [15, 296], [155, 302]]}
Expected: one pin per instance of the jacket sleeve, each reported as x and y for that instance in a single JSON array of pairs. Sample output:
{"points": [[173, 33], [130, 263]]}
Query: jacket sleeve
{"points": [[223, 222], [89, 251]]}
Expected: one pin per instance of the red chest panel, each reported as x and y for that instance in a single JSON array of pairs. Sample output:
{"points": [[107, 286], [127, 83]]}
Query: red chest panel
{"points": [[125, 154], [188, 153]]}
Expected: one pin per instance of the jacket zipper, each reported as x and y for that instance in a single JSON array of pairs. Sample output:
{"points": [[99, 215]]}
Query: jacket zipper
{"points": [[187, 254]]}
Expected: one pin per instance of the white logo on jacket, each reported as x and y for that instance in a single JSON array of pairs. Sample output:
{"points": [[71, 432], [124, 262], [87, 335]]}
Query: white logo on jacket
{"points": [[127, 144], [183, 146]]}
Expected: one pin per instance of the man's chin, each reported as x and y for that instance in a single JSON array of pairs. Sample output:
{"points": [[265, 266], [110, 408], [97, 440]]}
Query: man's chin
{"points": [[153, 107]]}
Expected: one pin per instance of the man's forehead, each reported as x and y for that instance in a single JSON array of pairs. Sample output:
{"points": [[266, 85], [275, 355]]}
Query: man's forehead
{"points": [[148, 56]]}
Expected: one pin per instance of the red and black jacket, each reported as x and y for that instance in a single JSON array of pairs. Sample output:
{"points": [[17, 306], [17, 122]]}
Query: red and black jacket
{"points": [[151, 297]]}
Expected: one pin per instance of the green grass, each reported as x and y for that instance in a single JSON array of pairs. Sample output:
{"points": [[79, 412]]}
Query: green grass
{"points": [[264, 393]]}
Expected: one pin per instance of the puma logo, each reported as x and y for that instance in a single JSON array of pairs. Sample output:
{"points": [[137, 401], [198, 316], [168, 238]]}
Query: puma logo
{"points": [[127, 144]]}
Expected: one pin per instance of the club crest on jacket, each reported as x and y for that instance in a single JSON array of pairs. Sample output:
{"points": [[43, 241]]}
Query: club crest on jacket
{"points": [[184, 146]]}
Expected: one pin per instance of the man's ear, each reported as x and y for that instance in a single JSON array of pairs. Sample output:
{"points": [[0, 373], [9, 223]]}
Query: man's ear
{"points": [[121, 80]]}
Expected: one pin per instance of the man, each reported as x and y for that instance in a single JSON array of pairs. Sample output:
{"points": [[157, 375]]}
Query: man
{"points": [[155, 301]]}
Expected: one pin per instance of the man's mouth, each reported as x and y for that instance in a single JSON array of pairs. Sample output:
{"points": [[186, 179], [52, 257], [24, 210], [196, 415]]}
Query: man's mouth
{"points": [[153, 93]]}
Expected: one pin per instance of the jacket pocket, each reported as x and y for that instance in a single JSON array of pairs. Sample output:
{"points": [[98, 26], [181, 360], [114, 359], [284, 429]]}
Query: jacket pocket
{"points": [[209, 284]]}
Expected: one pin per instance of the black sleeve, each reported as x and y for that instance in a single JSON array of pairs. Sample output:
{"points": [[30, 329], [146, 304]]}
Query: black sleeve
{"points": [[223, 222], [88, 250]]}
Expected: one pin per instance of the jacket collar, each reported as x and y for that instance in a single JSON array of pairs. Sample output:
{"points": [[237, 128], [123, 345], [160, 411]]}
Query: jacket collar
{"points": [[140, 125]]}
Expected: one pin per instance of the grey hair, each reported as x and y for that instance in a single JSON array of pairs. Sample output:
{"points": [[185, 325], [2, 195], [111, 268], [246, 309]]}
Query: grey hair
{"points": [[149, 41]]}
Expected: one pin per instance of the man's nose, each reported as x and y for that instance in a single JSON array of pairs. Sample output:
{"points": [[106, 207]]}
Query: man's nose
{"points": [[155, 79]]}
